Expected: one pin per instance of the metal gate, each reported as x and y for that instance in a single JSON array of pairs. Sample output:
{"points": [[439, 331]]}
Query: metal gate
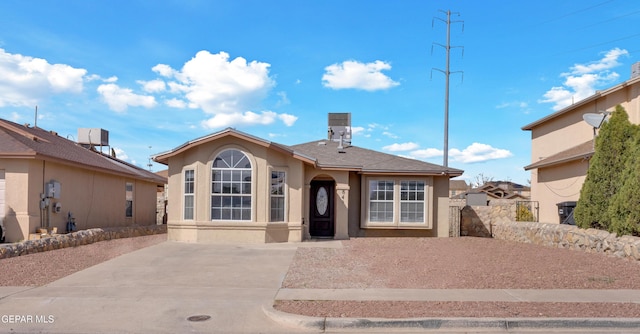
{"points": [[527, 211]]}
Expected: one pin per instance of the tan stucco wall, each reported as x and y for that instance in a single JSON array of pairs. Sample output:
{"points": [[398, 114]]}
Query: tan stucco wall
{"points": [[259, 229], [552, 185], [558, 184], [95, 199]]}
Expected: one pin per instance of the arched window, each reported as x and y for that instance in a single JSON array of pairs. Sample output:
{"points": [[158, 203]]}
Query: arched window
{"points": [[231, 186]]}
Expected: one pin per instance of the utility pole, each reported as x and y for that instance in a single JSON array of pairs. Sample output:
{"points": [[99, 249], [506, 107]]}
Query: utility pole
{"points": [[446, 74]]}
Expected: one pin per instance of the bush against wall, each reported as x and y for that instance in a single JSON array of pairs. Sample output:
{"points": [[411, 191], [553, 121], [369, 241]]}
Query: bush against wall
{"points": [[608, 171], [624, 210]]}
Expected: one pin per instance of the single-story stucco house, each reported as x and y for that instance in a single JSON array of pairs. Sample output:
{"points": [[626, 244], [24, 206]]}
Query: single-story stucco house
{"points": [[47, 181], [232, 186]]}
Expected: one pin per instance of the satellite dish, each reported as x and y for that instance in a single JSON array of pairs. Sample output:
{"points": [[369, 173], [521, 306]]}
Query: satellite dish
{"points": [[595, 120]]}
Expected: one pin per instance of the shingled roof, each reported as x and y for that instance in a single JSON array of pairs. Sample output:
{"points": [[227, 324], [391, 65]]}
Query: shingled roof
{"points": [[363, 160], [325, 154], [24, 142]]}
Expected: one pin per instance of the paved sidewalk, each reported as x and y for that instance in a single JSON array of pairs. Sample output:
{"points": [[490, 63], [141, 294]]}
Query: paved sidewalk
{"points": [[464, 295]]}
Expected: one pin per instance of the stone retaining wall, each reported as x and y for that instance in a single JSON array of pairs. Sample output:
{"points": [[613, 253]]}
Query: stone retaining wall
{"points": [[79, 238], [477, 221], [568, 236]]}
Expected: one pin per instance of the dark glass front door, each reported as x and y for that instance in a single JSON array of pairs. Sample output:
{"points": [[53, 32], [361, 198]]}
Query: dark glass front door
{"points": [[321, 216]]}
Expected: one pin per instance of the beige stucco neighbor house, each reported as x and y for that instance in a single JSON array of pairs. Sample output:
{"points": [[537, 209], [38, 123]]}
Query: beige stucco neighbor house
{"points": [[562, 143], [46, 179], [232, 186]]}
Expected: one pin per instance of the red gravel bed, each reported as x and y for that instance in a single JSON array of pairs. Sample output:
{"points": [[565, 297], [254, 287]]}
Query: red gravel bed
{"points": [[45, 267], [456, 263]]}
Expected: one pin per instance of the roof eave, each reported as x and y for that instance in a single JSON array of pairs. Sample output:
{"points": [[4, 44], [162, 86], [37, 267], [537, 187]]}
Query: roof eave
{"points": [[559, 162], [597, 95]]}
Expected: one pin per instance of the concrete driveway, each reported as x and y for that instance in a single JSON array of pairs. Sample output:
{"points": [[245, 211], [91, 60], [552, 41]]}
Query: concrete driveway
{"points": [[156, 290]]}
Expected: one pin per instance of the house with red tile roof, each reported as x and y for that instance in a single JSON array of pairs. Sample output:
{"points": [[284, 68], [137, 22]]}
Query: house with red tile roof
{"points": [[232, 186], [48, 181]]}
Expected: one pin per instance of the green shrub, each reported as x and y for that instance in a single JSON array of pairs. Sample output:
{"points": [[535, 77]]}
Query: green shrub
{"points": [[605, 175]]}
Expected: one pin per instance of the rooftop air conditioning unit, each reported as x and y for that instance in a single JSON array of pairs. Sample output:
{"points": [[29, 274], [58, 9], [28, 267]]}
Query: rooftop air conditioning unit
{"points": [[93, 136]]}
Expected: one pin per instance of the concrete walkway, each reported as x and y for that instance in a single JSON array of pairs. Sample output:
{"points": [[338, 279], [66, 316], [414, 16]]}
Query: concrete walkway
{"points": [[156, 290], [195, 288], [465, 295]]}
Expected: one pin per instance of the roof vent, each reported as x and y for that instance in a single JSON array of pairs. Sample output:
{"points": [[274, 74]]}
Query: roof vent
{"points": [[635, 70]]}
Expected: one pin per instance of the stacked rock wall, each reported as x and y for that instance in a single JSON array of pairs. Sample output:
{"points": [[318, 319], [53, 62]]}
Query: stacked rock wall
{"points": [[568, 236], [79, 238]]}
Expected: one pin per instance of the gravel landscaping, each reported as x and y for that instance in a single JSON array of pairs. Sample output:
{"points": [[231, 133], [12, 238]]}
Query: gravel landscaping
{"points": [[456, 263], [418, 263], [45, 267]]}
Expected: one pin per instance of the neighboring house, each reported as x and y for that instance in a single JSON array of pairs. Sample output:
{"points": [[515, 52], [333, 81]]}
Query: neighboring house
{"points": [[232, 186], [492, 190], [562, 144], [457, 187], [46, 179], [505, 190]]}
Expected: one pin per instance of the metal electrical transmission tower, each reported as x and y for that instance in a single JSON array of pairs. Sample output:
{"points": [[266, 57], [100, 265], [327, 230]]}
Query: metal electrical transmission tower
{"points": [[447, 73]]}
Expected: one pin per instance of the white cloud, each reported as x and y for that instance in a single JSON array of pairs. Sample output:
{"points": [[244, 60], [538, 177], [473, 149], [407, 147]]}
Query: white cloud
{"points": [[175, 103], [390, 135], [401, 147], [356, 75], [25, 80], [223, 120], [356, 130], [477, 152], [119, 99], [229, 90], [153, 86], [582, 80], [284, 100], [287, 119], [164, 70]]}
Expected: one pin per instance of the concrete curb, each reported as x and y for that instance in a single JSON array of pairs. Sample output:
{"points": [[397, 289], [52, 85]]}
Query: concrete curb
{"points": [[493, 324]]}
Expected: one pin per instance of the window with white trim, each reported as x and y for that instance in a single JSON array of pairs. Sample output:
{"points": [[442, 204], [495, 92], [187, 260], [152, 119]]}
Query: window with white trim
{"points": [[412, 201], [277, 196], [396, 203], [231, 186], [189, 193], [380, 201]]}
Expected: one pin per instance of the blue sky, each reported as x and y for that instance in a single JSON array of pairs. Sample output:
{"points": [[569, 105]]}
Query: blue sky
{"points": [[156, 74]]}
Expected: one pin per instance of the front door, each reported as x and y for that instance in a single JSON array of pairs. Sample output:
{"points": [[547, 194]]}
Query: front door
{"points": [[321, 216]]}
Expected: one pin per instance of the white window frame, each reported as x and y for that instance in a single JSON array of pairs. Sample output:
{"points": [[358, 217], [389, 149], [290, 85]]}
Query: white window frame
{"points": [[282, 196], [186, 194], [396, 222], [232, 196]]}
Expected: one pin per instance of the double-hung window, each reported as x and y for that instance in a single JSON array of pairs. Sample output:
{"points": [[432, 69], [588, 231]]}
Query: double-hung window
{"points": [[231, 186], [189, 193], [397, 203], [277, 196]]}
